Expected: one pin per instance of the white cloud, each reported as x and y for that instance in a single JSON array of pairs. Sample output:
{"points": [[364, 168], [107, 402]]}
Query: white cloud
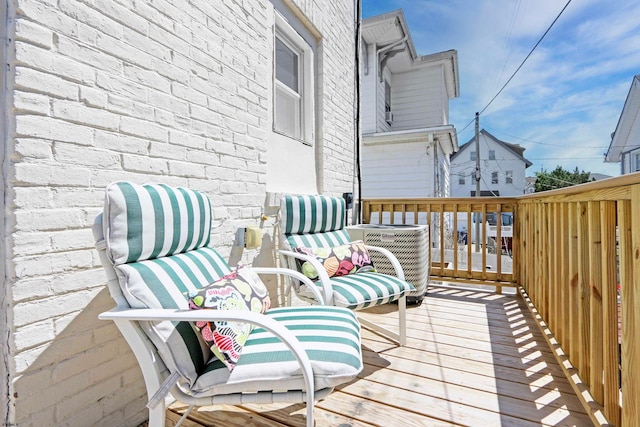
{"points": [[570, 92]]}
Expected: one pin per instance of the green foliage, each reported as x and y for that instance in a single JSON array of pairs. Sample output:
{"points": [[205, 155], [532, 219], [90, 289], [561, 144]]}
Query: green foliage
{"points": [[559, 178]]}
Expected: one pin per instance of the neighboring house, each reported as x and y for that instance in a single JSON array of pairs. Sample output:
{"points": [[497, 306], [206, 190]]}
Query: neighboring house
{"points": [[406, 135], [150, 91], [625, 140], [502, 168]]}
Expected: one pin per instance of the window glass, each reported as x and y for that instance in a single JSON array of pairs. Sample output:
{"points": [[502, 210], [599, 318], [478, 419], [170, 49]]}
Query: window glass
{"points": [[492, 154], [286, 66], [637, 156], [494, 177], [473, 155], [509, 177], [461, 179], [293, 92]]}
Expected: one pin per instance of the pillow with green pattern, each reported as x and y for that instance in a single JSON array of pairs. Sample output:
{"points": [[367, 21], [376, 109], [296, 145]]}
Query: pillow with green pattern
{"points": [[241, 289], [340, 260]]}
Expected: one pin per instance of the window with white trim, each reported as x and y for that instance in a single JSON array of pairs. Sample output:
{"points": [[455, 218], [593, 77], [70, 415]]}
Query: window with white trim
{"points": [[461, 179], [637, 161], [509, 177], [492, 154], [494, 177], [473, 155], [293, 96]]}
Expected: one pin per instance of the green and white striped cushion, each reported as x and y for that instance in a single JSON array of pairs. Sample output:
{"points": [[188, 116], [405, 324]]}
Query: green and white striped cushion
{"points": [[368, 289], [305, 222], [156, 237], [311, 214], [154, 220], [163, 283], [330, 336]]}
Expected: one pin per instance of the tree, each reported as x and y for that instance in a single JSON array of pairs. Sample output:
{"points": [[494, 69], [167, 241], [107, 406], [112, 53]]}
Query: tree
{"points": [[559, 178]]}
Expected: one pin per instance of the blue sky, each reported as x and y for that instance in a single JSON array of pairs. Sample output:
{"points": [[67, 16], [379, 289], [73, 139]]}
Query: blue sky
{"points": [[565, 101]]}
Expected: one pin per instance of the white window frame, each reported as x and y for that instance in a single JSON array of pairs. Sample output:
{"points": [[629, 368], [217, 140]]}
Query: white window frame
{"points": [[305, 125], [508, 177], [495, 177], [462, 179]]}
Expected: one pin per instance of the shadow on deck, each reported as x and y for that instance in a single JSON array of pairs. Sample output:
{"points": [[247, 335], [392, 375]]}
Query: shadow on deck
{"points": [[472, 358]]}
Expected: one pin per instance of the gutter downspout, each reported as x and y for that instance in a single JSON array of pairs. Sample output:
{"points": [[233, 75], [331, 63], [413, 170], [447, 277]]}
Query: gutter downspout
{"points": [[8, 33]]}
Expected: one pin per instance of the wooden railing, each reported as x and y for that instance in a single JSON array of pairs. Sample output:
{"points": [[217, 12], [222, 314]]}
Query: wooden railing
{"points": [[576, 260], [458, 255]]}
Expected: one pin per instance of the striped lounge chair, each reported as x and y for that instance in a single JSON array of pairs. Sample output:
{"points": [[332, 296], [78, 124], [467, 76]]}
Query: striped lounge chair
{"points": [[153, 244], [314, 240]]}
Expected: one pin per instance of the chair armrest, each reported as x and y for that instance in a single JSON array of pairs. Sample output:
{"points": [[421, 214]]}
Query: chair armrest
{"points": [[292, 273], [120, 314], [391, 257], [323, 277]]}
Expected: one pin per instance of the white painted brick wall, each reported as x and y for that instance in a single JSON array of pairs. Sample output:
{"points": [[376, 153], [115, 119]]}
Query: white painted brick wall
{"points": [[100, 91]]}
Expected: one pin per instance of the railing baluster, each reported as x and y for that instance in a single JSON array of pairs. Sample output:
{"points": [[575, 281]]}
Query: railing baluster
{"points": [[583, 294], [595, 308], [610, 311], [574, 294], [630, 289]]}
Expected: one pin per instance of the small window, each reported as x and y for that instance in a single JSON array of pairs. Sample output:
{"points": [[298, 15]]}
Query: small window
{"points": [[387, 97], [637, 159], [494, 177], [473, 155], [492, 154], [293, 85], [509, 177], [461, 179]]}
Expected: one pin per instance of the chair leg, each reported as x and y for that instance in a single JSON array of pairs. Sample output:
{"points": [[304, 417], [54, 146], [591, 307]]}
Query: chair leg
{"points": [[401, 336], [310, 404], [402, 315], [157, 415]]}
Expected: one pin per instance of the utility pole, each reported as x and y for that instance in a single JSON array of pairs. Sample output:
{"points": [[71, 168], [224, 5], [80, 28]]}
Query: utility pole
{"points": [[477, 231]]}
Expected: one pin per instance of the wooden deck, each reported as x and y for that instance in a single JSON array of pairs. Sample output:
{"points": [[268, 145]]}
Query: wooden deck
{"points": [[472, 358]]}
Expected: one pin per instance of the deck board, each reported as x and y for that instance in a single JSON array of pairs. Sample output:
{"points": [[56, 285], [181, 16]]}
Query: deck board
{"points": [[472, 358]]}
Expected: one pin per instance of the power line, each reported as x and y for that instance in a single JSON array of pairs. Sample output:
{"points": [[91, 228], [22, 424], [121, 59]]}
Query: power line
{"points": [[525, 59], [536, 142]]}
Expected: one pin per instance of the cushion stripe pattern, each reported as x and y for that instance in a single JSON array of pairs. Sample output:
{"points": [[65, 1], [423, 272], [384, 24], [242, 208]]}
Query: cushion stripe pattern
{"points": [[307, 221], [154, 220], [165, 283], [329, 335], [156, 237], [311, 214], [327, 239], [363, 290]]}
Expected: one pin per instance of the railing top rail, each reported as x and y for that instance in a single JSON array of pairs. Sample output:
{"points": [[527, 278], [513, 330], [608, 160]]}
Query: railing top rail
{"points": [[604, 184], [438, 200]]}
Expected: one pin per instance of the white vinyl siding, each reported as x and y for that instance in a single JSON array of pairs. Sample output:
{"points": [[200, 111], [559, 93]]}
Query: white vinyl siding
{"points": [[398, 169], [416, 101]]}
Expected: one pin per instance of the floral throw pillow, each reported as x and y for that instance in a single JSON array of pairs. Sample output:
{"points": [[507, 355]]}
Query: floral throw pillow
{"points": [[337, 261], [241, 289]]}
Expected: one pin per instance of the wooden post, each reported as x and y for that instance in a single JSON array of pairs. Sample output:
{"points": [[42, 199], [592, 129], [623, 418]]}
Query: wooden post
{"points": [[630, 289], [610, 312], [595, 312], [583, 293]]}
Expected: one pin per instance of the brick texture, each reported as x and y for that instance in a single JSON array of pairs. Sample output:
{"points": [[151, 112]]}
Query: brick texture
{"points": [[163, 91]]}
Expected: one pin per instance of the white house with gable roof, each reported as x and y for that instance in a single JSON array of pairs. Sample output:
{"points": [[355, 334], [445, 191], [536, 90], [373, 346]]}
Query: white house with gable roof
{"points": [[406, 135], [625, 140], [502, 168]]}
